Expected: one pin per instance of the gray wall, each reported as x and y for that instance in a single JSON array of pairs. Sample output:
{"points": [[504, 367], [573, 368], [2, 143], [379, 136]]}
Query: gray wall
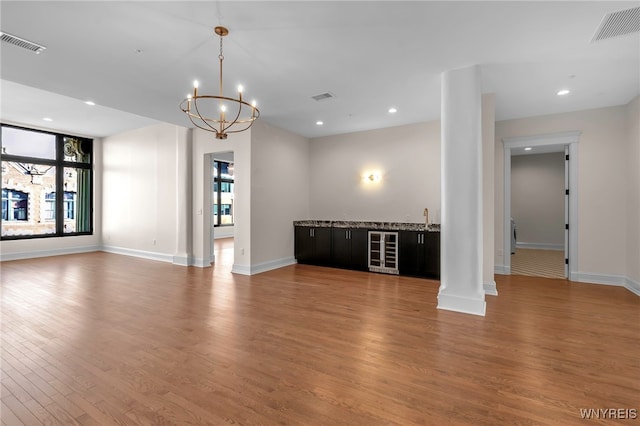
{"points": [[537, 199]]}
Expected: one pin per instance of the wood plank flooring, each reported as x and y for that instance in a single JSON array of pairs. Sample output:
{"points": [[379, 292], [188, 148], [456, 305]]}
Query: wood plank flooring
{"points": [[105, 339]]}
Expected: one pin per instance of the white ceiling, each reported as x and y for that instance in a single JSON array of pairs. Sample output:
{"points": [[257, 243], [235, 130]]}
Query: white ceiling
{"points": [[141, 57]]}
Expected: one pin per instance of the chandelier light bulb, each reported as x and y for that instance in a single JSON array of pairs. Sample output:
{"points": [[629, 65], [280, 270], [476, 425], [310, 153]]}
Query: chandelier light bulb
{"points": [[240, 88], [254, 103], [223, 108], [196, 84]]}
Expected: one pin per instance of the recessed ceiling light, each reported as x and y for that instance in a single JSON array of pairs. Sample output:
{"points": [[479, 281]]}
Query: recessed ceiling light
{"points": [[392, 110], [319, 123], [563, 92], [528, 148], [48, 119], [90, 103]]}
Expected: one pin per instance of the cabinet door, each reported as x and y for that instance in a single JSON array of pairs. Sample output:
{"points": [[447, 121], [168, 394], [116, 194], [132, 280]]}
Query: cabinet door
{"points": [[358, 238], [341, 245], [303, 244], [432, 254], [408, 254], [391, 250], [375, 250], [322, 246]]}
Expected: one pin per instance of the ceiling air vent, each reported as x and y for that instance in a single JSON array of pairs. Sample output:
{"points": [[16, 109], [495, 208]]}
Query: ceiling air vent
{"points": [[615, 24], [20, 42], [323, 96]]}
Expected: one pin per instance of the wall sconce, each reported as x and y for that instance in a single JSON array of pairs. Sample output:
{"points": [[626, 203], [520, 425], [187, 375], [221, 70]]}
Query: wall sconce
{"points": [[372, 177]]}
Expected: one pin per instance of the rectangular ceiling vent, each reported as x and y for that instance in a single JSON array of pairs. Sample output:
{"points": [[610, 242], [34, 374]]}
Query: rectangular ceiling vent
{"points": [[615, 24], [20, 42], [323, 96]]}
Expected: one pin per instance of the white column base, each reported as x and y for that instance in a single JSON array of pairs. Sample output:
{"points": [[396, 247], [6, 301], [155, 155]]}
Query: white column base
{"points": [[464, 305], [490, 289]]}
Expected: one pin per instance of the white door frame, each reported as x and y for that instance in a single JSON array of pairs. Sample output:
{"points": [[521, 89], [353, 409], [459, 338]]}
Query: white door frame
{"points": [[566, 139]]}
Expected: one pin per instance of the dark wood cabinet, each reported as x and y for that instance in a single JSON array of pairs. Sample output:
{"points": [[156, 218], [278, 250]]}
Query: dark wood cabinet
{"points": [[432, 254], [313, 245], [414, 253], [420, 253], [349, 248]]}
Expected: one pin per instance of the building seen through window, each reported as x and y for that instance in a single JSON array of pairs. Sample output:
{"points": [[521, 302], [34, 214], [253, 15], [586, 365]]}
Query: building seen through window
{"points": [[46, 184], [222, 196]]}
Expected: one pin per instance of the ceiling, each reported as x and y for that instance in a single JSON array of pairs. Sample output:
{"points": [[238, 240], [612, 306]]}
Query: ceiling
{"points": [[137, 60]]}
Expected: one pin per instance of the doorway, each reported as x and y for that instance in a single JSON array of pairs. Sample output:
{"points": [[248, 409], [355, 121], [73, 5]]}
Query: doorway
{"points": [[222, 202], [567, 143]]}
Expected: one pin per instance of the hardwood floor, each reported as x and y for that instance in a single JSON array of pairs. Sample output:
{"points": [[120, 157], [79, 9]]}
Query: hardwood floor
{"points": [[105, 339]]}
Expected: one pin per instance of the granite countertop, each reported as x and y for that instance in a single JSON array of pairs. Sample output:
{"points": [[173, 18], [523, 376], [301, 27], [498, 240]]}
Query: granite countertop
{"points": [[383, 226]]}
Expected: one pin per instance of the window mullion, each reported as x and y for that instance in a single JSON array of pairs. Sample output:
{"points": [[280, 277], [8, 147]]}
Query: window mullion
{"points": [[59, 207]]}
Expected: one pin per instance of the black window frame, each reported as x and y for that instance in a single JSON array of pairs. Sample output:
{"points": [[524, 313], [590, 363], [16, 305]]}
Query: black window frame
{"points": [[218, 180], [60, 164]]}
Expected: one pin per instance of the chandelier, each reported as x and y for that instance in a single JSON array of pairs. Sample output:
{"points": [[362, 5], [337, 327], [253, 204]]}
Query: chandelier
{"points": [[234, 115]]}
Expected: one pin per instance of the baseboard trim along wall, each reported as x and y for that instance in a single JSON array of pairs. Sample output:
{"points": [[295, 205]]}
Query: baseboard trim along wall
{"points": [[464, 305], [161, 257], [632, 286], [263, 267], [241, 269], [183, 260], [47, 253], [539, 246], [490, 289], [501, 270], [201, 262]]}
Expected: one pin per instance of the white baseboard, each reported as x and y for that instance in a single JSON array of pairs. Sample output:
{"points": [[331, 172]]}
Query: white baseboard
{"points": [[540, 246], [201, 262], [161, 257], [591, 278], [633, 286], [47, 253], [604, 279], [183, 260], [490, 288], [502, 270], [464, 305], [263, 267], [272, 264], [241, 269]]}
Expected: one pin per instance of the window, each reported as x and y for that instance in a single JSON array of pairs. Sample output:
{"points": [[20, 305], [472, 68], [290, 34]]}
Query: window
{"points": [[69, 203], [14, 205], [222, 208], [46, 184]]}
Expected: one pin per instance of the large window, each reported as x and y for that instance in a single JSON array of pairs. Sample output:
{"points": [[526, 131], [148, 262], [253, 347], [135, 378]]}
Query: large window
{"points": [[46, 184], [222, 208]]}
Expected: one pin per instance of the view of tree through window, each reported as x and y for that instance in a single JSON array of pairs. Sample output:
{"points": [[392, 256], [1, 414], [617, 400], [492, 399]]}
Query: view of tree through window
{"points": [[46, 184], [222, 208]]}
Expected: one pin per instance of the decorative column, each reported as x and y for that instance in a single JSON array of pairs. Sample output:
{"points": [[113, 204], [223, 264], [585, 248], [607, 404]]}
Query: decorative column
{"points": [[461, 223], [184, 253]]}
